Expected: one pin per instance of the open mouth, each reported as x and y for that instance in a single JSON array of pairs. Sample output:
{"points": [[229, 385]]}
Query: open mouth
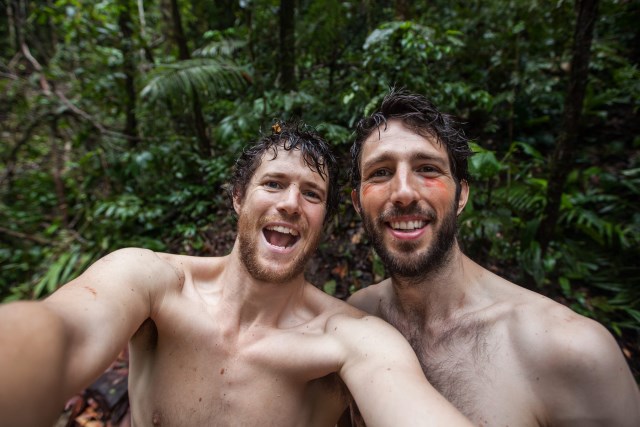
{"points": [[407, 225], [280, 236]]}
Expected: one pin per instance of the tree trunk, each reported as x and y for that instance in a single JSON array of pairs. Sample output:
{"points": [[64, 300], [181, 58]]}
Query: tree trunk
{"points": [[143, 32], [129, 70], [248, 14], [178, 31], [204, 143], [201, 126], [14, 23], [287, 45], [8, 39], [564, 154], [226, 13], [402, 10], [53, 34]]}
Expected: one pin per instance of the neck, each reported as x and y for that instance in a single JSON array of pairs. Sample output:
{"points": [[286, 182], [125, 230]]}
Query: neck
{"points": [[250, 301], [436, 295]]}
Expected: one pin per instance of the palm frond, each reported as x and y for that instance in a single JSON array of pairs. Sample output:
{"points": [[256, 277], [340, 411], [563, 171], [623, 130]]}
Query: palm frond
{"points": [[224, 47], [204, 76]]}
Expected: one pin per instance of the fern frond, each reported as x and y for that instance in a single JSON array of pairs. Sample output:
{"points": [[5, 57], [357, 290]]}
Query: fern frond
{"points": [[522, 198]]}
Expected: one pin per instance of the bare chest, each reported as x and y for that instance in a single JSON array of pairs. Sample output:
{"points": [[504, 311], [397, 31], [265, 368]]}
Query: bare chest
{"points": [[199, 376], [474, 366]]}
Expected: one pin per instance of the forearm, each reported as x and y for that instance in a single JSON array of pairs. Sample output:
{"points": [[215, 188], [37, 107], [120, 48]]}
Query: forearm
{"points": [[400, 399], [386, 380], [32, 364]]}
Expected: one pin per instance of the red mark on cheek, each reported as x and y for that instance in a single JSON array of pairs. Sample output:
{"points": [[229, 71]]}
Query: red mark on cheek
{"points": [[434, 183], [370, 190], [90, 289]]}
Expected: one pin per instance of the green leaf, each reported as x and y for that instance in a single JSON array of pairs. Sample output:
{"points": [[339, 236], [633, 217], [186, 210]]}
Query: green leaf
{"points": [[329, 287]]}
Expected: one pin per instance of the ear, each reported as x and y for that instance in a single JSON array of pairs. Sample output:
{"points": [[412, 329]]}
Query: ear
{"points": [[355, 199], [464, 195], [237, 203]]}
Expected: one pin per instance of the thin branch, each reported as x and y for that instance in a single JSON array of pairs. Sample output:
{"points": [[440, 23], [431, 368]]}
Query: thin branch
{"points": [[83, 114], [80, 112], [9, 76], [46, 89], [24, 236], [44, 84]]}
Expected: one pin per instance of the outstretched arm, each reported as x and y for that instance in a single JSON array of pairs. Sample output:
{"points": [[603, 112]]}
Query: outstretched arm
{"points": [[33, 364], [384, 376], [53, 348]]}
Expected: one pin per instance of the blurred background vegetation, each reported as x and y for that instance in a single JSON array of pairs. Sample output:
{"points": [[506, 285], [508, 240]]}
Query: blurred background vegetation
{"points": [[120, 120]]}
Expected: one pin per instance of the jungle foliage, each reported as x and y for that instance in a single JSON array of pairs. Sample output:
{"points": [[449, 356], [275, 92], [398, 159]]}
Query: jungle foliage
{"points": [[120, 121]]}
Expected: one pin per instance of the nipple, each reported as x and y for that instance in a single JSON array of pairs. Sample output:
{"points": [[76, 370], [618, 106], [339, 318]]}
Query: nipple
{"points": [[155, 419]]}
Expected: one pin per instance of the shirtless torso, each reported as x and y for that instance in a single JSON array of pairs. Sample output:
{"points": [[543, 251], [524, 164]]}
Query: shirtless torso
{"points": [[509, 356], [192, 363], [206, 350]]}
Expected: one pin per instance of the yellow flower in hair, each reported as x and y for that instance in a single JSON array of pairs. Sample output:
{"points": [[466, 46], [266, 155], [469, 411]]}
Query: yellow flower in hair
{"points": [[276, 128]]}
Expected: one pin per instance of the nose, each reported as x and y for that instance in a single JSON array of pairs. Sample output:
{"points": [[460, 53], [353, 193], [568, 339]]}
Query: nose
{"points": [[403, 188], [290, 201]]}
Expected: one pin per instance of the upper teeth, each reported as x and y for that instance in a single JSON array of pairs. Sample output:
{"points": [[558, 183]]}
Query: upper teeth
{"points": [[282, 229], [407, 225]]}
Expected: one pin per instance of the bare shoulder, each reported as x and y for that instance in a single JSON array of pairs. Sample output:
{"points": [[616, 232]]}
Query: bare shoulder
{"points": [[357, 321], [553, 336], [546, 333], [193, 265], [128, 274], [137, 262], [322, 306], [155, 269], [363, 336], [574, 365], [346, 322], [370, 298]]}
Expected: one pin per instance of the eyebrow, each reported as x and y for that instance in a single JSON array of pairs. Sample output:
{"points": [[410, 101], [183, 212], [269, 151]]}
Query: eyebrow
{"points": [[386, 157]]}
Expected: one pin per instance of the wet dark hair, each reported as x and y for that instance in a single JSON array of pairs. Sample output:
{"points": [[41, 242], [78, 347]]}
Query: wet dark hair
{"points": [[422, 117], [316, 153]]}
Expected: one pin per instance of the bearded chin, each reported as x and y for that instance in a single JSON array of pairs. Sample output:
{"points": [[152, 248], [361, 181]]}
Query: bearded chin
{"points": [[268, 272], [405, 263]]}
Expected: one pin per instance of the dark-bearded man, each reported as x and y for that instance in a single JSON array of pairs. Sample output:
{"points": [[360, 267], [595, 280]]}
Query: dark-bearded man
{"points": [[503, 355]]}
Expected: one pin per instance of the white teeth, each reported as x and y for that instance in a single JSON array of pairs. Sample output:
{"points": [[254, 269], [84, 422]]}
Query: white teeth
{"points": [[282, 229], [407, 225]]}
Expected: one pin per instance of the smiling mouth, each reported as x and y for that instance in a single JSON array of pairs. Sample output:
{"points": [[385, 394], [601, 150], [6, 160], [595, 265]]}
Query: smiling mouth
{"points": [[407, 225], [281, 236]]}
